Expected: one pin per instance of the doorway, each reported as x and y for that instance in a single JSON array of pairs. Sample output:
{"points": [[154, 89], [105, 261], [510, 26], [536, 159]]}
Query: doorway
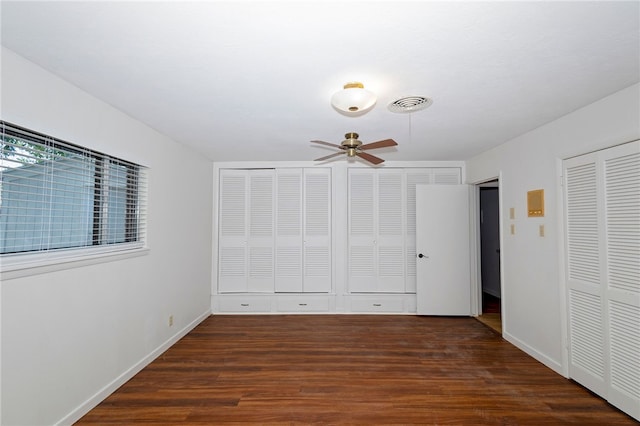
{"points": [[489, 220]]}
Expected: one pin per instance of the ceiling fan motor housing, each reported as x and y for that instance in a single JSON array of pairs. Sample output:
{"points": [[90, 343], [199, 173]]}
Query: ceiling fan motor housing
{"points": [[351, 143]]}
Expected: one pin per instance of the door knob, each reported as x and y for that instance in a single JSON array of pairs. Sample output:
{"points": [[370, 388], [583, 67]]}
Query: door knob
{"points": [[420, 255]]}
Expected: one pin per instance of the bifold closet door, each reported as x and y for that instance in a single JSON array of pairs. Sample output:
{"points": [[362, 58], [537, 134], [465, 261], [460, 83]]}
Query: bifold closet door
{"points": [[288, 230], [246, 231], [303, 230], [376, 231], [317, 231], [602, 204], [382, 226]]}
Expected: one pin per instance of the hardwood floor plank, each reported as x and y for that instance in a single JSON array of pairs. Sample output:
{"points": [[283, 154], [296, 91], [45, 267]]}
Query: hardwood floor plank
{"points": [[349, 369]]}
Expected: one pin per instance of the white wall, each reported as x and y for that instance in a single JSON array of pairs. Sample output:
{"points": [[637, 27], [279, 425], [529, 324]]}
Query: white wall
{"points": [[533, 288], [71, 336]]}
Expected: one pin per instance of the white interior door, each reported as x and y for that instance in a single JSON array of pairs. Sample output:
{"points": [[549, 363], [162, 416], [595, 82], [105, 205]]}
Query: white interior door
{"points": [[442, 245]]}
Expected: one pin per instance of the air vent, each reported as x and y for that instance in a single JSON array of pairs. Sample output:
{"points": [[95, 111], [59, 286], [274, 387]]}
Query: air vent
{"points": [[410, 104]]}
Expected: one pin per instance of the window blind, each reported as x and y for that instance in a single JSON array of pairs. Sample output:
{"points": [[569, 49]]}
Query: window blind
{"points": [[56, 195]]}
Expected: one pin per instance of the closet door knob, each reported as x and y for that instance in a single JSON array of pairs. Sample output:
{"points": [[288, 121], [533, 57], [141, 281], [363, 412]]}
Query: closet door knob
{"points": [[420, 255]]}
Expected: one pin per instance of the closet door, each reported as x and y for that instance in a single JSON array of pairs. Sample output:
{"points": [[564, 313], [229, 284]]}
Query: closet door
{"points": [[363, 275], [602, 202], [622, 293], [246, 231], [288, 276], [390, 241], [303, 230], [382, 226], [317, 230], [377, 256], [232, 234], [261, 231]]}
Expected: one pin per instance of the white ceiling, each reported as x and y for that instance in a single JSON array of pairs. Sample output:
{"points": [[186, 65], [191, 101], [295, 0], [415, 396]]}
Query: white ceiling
{"points": [[253, 80]]}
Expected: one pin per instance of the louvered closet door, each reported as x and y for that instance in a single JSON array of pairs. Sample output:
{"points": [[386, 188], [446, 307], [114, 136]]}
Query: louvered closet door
{"points": [[232, 234], [317, 231], [390, 242], [603, 273], [303, 230], [447, 176], [586, 293], [246, 231], [289, 231], [261, 231], [377, 256], [622, 220], [363, 275]]}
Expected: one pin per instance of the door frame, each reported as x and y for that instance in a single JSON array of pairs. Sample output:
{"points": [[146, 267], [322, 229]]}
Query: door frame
{"points": [[476, 277]]}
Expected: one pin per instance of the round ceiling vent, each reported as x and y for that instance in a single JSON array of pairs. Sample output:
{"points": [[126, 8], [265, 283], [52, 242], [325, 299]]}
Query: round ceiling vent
{"points": [[410, 104]]}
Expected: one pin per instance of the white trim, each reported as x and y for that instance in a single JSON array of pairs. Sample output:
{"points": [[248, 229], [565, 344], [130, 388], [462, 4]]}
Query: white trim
{"points": [[503, 285], [475, 250], [103, 393], [338, 164], [551, 363], [476, 268], [24, 265], [562, 280]]}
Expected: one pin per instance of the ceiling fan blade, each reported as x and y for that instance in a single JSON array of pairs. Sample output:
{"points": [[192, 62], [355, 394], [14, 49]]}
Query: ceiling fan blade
{"points": [[330, 156], [380, 144], [328, 144], [370, 158]]}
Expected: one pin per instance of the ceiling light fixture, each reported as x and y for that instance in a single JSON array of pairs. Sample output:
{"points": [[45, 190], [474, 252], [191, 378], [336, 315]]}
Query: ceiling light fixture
{"points": [[353, 99]]}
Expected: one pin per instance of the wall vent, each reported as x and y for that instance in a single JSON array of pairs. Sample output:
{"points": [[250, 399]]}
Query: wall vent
{"points": [[410, 104]]}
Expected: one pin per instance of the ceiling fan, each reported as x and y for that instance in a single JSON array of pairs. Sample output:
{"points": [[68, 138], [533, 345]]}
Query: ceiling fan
{"points": [[354, 148]]}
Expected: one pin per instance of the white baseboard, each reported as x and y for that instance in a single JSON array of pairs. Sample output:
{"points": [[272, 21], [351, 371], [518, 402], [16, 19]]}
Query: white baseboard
{"points": [[96, 399], [551, 363]]}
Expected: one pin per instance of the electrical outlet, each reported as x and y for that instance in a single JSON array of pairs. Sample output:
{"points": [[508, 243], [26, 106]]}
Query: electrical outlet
{"points": [[170, 320]]}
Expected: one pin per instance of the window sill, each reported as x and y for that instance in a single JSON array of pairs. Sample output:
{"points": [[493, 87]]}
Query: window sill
{"points": [[19, 266]]}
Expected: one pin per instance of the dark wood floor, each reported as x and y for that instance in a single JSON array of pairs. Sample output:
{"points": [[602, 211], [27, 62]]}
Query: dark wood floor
{"points": [[348, 369]]}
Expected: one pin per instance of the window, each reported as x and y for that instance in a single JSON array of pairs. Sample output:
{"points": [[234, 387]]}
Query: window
{"points": [[56, 196]]}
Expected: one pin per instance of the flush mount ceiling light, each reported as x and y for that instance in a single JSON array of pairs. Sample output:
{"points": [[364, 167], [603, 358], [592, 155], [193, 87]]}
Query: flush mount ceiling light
{"points": [[410, 104], [353, 99]]}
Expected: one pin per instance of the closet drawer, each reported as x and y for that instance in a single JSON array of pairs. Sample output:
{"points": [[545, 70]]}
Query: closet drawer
{"points": [[247, 304], [377, 304], [303, 304]]}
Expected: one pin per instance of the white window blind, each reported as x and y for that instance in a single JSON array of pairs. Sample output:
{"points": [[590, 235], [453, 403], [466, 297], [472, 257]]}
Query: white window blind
{"points": [[55, 195]]}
